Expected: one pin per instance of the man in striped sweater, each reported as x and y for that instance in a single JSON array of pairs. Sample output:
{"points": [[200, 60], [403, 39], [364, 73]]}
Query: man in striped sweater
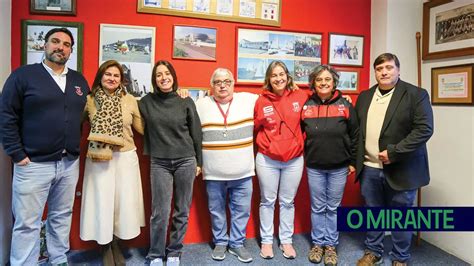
{"points": [[228, 161]]}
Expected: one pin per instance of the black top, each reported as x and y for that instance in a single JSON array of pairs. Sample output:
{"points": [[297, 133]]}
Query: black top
{"points": [[172, 126], [331, 130]]}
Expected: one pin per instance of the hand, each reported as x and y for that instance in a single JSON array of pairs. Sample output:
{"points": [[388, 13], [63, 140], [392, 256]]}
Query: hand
{"points": [[351, 169], [295, 87], [348, 98], [198, 171], [24, 162], [383, 157], [183, 93]]}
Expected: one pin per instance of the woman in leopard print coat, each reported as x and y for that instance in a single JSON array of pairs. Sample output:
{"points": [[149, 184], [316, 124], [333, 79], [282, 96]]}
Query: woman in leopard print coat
{"points": [[112, 201]]}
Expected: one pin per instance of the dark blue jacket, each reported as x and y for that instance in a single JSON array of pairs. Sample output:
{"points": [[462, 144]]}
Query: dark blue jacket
{"points": [[37, 119], [407, 126]]}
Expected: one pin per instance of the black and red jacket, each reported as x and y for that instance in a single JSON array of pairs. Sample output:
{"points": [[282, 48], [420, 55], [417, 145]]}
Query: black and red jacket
{"points": [[331, 129]]}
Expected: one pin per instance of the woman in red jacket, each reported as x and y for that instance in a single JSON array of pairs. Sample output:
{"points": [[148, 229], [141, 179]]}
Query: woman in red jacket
{"points": [[279, 161]]}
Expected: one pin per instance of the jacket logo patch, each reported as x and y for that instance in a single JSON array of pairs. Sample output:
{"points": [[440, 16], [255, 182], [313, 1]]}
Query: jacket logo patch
{"points": [[341, 108], [78, 90], [267, 110], [296, 107]]}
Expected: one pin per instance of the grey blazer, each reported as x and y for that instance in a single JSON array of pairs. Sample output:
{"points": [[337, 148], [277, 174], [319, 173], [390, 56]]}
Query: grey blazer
{"points": [[407, 126]]}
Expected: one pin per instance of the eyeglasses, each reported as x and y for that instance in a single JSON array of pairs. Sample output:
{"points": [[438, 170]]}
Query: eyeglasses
{"points": [[226, 82]]}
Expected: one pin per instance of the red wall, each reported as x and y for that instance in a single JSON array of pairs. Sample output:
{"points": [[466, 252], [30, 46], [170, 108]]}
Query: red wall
{"points": [[318, 16]]}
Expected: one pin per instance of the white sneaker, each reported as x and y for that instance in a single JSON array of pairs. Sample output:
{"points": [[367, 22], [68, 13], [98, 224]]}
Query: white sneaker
{"points": [[172, 261], [157, 262]]}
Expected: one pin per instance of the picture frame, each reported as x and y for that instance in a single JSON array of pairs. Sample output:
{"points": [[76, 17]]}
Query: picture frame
{"points": [[257, 48], [346, 50], [133, 47], [194, 43], [259, 12], [448, 29], [32, 41], [197, 93], [348, 80], [452, 85], [53, 7]]}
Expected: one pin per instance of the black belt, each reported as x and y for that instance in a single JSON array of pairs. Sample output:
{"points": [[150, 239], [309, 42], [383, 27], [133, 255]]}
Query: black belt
{"points": [[63, 154]]}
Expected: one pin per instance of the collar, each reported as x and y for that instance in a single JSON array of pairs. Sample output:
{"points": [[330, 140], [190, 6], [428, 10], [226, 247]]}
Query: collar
{"points": [[380, 95], [51, 71]]}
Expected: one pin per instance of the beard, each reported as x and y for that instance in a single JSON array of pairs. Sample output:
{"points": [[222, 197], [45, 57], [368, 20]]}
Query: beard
{"points": [[55, 59]]}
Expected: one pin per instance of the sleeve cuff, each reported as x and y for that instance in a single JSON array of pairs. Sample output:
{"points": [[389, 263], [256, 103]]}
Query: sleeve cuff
{"points": [[392, 156], [18, 156]]}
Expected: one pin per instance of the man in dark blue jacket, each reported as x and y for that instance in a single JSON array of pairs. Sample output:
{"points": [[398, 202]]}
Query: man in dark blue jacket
{"points": [[396, 121], [41, 109]]}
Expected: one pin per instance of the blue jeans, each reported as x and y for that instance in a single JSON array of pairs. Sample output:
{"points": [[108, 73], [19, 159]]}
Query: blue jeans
{"points": [[280, 179], [378, 193], [33, 185], [170, 177], [326, 188], [240, 196]]}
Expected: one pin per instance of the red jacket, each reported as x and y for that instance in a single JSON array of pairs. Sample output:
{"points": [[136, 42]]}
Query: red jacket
{"points": [[277, 124]]}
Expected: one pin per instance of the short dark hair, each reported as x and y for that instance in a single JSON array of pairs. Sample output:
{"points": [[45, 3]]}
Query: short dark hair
{"points": [[100, 73], [54, 30], [268, 74], [318, 70], [172, 72], [386, 57]]}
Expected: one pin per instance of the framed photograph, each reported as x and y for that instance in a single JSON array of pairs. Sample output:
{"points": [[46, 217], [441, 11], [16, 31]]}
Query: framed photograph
{"points": [[452, 85], [32, 43], [259, 12], [448, 29], [197, 93], [256, 49], [53, 7], [348, 80], [134, 48], [195, 43], [346, 50], [202, 6]]}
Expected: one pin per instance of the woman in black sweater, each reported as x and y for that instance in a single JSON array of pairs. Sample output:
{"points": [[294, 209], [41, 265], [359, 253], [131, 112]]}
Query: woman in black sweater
{"points": [[173, 140]]}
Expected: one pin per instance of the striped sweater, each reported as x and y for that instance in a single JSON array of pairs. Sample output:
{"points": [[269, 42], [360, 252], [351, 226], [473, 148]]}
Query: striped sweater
{"points": [[227, 151]]}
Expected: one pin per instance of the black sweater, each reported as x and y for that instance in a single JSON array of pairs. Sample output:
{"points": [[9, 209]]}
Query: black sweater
{"points": [[172, 126], [37, 119], [331, 132]]}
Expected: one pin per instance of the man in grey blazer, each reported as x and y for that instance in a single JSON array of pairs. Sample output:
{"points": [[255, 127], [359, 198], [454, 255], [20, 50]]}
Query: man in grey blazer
{"points": [[396, 121]]}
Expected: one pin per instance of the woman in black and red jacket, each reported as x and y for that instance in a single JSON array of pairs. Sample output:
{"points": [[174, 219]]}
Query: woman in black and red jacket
{"points": [[331, 127]]}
